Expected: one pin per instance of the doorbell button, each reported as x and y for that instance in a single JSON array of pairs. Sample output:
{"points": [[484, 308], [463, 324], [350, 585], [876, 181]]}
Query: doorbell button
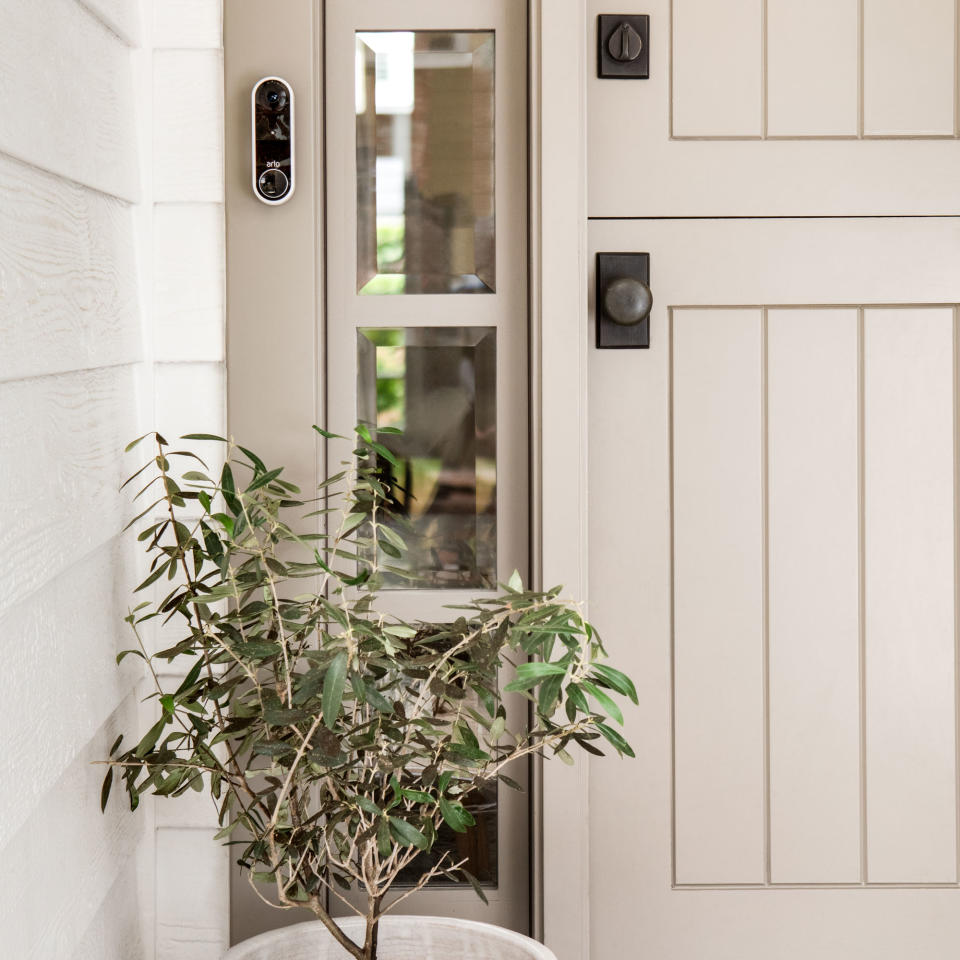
{"points": [[273, 184]]}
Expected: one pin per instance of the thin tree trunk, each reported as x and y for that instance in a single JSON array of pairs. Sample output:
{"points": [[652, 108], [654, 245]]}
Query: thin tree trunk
{"points": [[373, 930], [352, 948]]}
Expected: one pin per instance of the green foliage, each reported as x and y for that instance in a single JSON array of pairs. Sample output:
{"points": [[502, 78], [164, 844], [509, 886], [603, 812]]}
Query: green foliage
{"points": [[337, 737]]}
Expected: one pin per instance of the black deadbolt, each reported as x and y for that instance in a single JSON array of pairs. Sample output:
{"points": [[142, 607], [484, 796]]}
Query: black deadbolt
{"points": [[623, 46]]}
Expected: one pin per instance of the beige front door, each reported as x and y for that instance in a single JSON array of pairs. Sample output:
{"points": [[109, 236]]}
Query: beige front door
{"points": [[773, 484]]}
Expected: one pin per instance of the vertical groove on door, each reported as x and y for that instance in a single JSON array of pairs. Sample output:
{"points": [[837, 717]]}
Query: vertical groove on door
{"points": [[860, 79], [672, 599], [956, 68], [764, 72], [956, 573], [861, 587], [670, 97], [765, 526]]}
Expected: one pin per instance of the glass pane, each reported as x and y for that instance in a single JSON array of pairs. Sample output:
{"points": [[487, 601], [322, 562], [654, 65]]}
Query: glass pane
{"points": [[425, 162], [437, 386], [478, 845]]}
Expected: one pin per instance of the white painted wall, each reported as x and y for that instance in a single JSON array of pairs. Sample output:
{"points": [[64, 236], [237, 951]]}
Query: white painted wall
{"points": [[76, 884], [192, 871], [111, 323]]}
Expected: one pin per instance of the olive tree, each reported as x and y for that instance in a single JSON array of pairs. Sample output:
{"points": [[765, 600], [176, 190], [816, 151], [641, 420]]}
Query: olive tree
{"points": [[333, 739]]}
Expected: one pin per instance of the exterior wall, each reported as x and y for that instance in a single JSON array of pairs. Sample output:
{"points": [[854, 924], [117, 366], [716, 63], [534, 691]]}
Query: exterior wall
{"points": [[78, 884], [192, 906], [111, 323]]}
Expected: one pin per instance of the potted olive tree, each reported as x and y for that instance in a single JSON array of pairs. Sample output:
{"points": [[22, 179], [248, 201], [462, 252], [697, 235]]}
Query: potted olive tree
{"points": [[335, 740]]}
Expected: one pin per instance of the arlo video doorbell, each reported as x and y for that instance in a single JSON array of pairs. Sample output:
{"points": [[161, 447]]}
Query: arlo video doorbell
{"points": [[272, 108]]}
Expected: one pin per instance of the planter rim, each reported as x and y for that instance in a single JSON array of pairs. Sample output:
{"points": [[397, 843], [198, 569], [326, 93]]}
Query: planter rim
{"points": [[247, 949]]}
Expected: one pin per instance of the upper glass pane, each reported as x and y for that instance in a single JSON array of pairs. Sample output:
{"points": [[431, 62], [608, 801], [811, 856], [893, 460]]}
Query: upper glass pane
{"points": [[425, 162], [436, 387]]}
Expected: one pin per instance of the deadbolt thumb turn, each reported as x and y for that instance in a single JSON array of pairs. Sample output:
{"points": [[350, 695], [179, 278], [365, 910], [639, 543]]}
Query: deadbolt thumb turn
{"points": [[623, 301]]}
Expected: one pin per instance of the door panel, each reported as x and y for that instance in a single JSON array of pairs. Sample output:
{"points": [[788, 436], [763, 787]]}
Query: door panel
{"points": [[773, 487], [908, 68], [717, 450], [909, 594], [778, 108], [813, 550], [818, 102]]}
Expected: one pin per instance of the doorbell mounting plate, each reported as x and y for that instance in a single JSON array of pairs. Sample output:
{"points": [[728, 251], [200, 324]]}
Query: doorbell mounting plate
{"points": [[271, 108]]}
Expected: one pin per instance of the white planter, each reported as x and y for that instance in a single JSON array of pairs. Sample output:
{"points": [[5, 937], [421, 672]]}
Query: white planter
{"points": [[401, 938]]}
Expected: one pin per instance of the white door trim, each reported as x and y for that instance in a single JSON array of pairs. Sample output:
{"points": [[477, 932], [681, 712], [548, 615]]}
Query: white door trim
{"points": [[558, 218]]}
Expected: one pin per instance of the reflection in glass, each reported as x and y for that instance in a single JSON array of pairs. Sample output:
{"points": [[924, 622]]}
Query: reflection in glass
{"points": [[425, 162], [437, 386], [478, 845]]}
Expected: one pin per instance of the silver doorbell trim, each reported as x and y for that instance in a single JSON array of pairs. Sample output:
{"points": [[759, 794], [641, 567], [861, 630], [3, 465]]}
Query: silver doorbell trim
{"points": [[272, 157]]}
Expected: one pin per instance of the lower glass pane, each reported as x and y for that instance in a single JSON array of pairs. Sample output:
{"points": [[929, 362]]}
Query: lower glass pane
{"points": [[437, 387], [478, 845]]}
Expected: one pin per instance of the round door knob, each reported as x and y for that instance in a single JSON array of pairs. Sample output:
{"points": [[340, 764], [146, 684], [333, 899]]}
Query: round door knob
{"points": [[627, 301]]}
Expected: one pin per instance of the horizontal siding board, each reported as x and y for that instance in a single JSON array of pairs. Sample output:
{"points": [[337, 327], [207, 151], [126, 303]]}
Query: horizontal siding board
{"points": [[60, 470], [179, 24], [193, 892], [68, 285], [67, 856], [66, 85], [188, 274], [40, 631], [121, 16], [188, 126], [117, 932], [193, 810], [191, 398]]}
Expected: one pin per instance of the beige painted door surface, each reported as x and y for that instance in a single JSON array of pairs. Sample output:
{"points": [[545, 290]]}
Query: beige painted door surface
{"points": [[773, 485]]}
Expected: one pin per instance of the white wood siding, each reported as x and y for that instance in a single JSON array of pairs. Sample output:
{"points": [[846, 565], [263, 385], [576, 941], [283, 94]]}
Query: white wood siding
{"points": [[71, 332], [68, 94], [192, 871], [111, 323]]}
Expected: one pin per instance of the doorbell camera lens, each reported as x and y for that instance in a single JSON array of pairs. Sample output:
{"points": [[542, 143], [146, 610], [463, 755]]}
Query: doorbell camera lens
{"points": [[272, 96]]}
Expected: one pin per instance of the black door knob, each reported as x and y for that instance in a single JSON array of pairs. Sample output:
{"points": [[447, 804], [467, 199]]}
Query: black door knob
{"points": [[623, 301], [627, 301]]}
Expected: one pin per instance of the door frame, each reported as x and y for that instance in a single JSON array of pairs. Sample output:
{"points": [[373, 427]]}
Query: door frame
{"points": [[275, 425], [559, 48]]}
